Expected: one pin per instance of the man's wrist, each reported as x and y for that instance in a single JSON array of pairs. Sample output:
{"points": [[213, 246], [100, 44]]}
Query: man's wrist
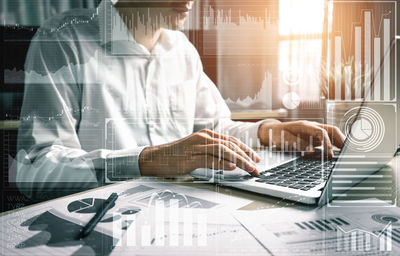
{"points": [[149, 160], [143, 160]]}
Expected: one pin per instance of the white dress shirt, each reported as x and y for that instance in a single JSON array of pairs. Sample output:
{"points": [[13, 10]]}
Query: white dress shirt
{"points": [[93, 101]]}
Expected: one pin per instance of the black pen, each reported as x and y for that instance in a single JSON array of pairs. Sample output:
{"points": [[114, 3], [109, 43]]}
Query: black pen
{"points": [[99, 215]]}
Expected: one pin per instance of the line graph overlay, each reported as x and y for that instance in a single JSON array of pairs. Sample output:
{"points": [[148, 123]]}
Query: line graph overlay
{"points": [[248, 82], [262, 99], [362, 240], [234, 28]]}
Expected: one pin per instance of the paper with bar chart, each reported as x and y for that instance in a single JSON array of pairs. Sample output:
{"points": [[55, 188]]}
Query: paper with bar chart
{"points": [[173, 231], [363, 51], [178, 219], [326, 231], [149, 214]]}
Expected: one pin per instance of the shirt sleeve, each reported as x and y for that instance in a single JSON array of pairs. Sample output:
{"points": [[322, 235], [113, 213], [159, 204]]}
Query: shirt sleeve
{"points": [[50, 159], [213, 113]]}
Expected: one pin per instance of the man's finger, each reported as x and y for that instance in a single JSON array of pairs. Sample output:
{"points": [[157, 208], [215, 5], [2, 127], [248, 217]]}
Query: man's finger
{"points": [[249, 151], [323, 137], [207, 161], [235, 148], [230, 155], [246, 149], [335, 134], [308, 129], [290, 141], [223, 152]]}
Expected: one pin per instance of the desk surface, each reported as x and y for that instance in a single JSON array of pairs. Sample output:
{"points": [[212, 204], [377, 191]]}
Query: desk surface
{"points": [[258, 201], [53, 224]]}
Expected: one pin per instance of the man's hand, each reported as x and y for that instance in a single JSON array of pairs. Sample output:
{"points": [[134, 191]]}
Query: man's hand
{"points": [[203, 149], [299, 134]]}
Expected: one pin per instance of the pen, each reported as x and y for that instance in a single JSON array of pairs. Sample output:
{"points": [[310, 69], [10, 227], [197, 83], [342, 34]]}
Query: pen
{"points": [[397, 151], [99, 215]]}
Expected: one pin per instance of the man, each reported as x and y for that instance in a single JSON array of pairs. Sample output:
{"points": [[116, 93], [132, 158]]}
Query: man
{"points": [[132, 98]]}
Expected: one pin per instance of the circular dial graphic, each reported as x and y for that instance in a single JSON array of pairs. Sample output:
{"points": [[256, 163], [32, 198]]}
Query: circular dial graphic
{"points": [[291, 100], [364, 128], [291, 77]]}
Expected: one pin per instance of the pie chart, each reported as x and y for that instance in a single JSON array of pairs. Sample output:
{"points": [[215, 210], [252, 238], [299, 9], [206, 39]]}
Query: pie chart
{"points": [[362, 129], [386, 219], [87, 205]]}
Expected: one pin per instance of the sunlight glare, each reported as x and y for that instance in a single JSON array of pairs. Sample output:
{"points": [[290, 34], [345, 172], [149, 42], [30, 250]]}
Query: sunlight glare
{"points": [[301, 17]]}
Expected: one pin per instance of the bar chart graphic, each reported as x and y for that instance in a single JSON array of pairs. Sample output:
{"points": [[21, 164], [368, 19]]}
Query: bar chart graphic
{"points": [[362, 51]]}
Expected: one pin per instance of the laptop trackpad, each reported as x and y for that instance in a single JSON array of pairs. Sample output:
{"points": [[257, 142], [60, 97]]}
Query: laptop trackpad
{"points": [[219, 175]]}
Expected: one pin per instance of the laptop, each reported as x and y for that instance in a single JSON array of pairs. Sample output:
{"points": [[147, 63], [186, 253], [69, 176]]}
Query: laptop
{"points": [[306, 178], [311, 179], [302, 179]]}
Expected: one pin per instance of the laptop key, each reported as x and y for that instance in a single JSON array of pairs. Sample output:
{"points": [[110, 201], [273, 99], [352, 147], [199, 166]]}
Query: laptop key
{"points": [[273, 182], [261, 180], [266, 174], [296, 186], [303, 182], [282, 184], [266, 180], [288, 175]]}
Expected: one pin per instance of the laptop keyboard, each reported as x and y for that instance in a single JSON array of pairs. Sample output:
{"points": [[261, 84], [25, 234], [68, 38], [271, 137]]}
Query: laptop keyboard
{"points": [[303, 174]]}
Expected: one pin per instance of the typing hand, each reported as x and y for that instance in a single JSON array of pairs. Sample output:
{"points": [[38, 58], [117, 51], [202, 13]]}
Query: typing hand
{"points": [[203, 149], [297, 135]]}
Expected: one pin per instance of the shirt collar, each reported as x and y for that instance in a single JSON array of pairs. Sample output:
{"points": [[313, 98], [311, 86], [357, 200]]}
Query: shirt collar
{"points": [[119, 41]]}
